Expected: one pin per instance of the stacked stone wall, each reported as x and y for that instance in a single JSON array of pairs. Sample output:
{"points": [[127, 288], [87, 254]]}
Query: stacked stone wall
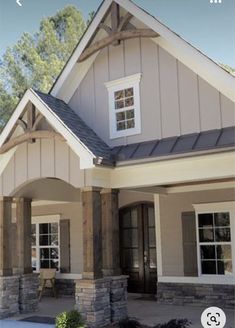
{"points": [[196, 294], [9, 296], [102, 301]]}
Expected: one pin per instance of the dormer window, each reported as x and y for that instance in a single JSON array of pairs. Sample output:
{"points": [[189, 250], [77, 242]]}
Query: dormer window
{"points": [[124, 106]]}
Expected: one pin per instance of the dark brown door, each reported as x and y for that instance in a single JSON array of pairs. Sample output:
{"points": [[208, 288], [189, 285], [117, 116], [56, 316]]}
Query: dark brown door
{"points": [[138, 248]]}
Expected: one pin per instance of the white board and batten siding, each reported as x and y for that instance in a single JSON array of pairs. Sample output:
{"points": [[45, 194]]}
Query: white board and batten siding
{"points": [[174, 100], [44, 158]]}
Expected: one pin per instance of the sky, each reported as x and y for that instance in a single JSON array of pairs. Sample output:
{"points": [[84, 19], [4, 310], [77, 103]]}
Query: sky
{"points": [[208, 26]]}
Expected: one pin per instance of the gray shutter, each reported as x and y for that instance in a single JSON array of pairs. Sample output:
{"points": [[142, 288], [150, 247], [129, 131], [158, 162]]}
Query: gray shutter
{"points": [[64, 246], [189, 243]]}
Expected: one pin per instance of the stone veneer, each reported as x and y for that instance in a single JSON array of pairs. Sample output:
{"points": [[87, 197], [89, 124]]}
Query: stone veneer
{"points": [[9, 296], [28, 292], [196, 294], [102, 301]]}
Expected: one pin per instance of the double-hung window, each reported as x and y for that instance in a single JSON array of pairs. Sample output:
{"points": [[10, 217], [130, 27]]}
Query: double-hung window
{"points": [[214, 236], [124, 106], [45, 243]]}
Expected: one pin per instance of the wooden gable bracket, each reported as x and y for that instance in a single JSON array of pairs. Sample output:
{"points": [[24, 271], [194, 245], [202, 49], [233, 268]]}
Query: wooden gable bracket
{"points": [[30, 131], [116, 32]]}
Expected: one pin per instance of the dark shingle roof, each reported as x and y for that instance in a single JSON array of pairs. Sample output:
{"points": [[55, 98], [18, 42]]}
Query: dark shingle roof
{"points": [[188, 143], [77, 126]]}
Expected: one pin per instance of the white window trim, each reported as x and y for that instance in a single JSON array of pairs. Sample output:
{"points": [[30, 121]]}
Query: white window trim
{"points": [[212, 208], [132, 81], [45, 219]]}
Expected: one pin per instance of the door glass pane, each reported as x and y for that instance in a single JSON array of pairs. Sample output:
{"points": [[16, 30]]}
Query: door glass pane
{"points": [[53, 227], [151, 218], [54, 264], [152, 237], [208, 267], [45, 264], [134, 218], [126, 220], [152, 258], [53, 253], [44, 253], [205, 220], [130, 258], [130, 237]]}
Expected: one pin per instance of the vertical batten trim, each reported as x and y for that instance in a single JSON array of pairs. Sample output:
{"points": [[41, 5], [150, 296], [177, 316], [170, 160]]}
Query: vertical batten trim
{"points": [[27, 164], [40, 158], [159, 88], [14, 171], [178, 94], [54, 157], [220, 110], [199, 104], [158, 233], [93, 118], [124, 58]]}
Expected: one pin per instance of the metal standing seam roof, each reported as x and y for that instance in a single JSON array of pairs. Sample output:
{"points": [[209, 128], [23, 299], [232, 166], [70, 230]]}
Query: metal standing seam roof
{"points": [[188, 143]]}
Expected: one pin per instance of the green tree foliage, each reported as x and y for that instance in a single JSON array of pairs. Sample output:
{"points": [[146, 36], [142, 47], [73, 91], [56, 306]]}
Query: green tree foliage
{"points": [[228, 68], [36, 60]]}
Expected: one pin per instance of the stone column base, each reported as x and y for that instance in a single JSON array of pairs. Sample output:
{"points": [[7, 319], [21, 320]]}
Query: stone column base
{"points": [[118, 298], [9, 296], [196, 294], [28, 293], [102, 301], [92, 301]]}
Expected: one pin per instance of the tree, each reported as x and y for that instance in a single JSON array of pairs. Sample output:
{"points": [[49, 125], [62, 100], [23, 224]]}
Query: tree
{"points": [[228, 68], [36, 60]]}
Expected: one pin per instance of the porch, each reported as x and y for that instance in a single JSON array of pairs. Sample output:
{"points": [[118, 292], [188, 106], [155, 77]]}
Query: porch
{"points": [[143, 309]]}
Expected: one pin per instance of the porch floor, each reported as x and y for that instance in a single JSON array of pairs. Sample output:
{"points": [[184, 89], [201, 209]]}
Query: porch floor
{"points": [[146, 310]]}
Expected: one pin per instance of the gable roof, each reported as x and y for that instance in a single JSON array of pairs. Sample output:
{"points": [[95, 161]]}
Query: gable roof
{"points": [[89, 147], [73, 73], [77, 126]]}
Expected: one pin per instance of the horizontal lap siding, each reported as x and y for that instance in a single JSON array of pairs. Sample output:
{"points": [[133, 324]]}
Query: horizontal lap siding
{"points": [[174, 100]]}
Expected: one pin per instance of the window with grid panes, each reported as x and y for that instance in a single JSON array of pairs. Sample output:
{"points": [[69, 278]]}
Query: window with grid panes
{"points": [[124, 106], [214, 236]]}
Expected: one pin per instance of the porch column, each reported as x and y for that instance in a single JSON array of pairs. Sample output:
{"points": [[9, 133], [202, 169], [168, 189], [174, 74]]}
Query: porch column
{"points": [[29, 282], [111, 254], [5, 236], [9, 285], [23, 233], [92, 291], [110, 232], [92, 239]]}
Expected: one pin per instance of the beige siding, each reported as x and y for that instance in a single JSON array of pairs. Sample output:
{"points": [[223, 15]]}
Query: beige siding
{"points": [[171, 207], [73, 212], [130, 197], [228, 111], [42, 159], [174, 100], [210, 110]]}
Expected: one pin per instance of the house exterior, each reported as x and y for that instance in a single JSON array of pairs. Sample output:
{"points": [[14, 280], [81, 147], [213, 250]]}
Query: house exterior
{"points": [[122, 177]]}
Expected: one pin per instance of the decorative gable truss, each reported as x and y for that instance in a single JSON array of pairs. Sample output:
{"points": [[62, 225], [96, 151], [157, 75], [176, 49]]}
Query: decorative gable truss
{"points": [[41, 116], [120, 20]]}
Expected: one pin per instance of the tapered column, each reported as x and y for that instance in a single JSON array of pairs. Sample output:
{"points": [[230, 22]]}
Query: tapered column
{"points": [[92, 238], [5, 236], [110, 232], [23, 233]]}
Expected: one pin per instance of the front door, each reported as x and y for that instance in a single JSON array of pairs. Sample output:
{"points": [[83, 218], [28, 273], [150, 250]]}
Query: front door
{"points": [[138, 248]]}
